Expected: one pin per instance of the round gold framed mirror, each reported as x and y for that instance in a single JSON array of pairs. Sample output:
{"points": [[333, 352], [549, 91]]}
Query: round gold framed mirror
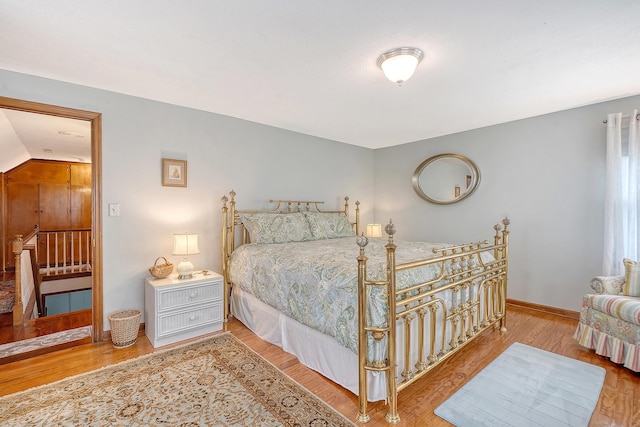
{"points": [[446, 178]]}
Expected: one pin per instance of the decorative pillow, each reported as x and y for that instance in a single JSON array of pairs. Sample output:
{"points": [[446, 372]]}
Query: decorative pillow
{"points": [[276, 227], [329, 225], [631, 278]]}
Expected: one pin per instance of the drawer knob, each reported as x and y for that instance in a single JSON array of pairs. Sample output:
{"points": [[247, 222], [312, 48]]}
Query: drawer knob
{"points": [[192, 318], [192, 296]]}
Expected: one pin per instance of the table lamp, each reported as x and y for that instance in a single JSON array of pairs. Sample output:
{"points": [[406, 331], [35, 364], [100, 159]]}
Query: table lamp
{"points": [[185, 244], [374, 230]]}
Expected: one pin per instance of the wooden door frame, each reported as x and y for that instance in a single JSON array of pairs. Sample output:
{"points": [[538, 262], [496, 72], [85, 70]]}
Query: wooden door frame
{"points": [[96, 192]]}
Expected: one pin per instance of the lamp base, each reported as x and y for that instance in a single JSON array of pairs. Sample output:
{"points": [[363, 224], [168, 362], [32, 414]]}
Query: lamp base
{"points": [[185, 270]]}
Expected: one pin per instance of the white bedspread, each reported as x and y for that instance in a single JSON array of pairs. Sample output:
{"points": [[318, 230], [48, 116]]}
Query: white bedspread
{"points": [[315, 282]]}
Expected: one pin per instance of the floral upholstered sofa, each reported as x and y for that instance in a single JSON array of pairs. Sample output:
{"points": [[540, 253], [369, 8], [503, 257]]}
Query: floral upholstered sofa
{"points": [[610, 318]]}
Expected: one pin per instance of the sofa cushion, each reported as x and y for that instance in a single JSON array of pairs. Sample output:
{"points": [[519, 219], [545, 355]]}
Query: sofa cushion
{"points": [[608, 284], [619, 306], [631, 278]]}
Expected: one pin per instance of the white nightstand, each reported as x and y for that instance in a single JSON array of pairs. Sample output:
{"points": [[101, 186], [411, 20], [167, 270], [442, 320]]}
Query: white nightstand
{"points": [[175, 310]]}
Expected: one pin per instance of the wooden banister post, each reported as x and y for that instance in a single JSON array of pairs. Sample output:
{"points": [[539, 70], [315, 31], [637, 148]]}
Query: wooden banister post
{"points": [[18, 310]]}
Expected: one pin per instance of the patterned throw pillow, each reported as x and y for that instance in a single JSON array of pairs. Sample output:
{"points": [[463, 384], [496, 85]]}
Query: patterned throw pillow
{"points": [[329, 225], [631, 278], [276, 227]]}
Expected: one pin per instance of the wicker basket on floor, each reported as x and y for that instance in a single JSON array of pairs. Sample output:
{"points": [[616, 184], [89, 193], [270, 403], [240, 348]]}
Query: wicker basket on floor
{"points": [[124, 327]]}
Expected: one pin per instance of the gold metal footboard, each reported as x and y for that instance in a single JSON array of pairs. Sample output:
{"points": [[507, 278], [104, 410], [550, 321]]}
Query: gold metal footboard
{"points": [[430, 330]]}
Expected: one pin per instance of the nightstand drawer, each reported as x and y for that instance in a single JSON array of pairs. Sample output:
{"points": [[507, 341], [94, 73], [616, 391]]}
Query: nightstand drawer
{"points": [[178, 322], [175, 298]]}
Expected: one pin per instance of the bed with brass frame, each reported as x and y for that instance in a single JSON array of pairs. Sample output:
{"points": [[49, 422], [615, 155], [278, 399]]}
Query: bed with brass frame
{"points": [[430, 320]]}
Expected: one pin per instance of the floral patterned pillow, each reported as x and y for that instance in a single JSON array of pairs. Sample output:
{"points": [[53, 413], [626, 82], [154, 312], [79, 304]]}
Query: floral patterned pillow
{"points": [[329, 225], [631, 285], [276, 227]]}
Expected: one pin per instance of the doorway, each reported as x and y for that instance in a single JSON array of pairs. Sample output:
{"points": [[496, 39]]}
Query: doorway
{"points": [[95, 121]]}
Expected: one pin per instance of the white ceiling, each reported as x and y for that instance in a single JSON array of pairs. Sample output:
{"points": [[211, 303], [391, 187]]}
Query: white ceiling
{"points": [[310, 66], [26, 136]]}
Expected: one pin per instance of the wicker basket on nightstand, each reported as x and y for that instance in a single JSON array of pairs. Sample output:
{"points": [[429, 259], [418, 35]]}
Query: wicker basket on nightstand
{"points": [[161, 271], [124, 327]]}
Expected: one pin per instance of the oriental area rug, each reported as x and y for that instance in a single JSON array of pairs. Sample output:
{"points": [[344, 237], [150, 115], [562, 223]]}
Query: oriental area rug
{"points": [[217, 381], [526, 386], [7, 293]]}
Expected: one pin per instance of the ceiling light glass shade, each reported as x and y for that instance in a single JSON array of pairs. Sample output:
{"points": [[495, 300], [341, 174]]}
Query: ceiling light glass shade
{"points": [[185, 244], [399, 64]]}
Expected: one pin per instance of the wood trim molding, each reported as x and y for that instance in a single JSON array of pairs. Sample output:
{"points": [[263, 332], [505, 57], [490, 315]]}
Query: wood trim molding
{"points": [[96, 178], [545, 309], [3, 222]]}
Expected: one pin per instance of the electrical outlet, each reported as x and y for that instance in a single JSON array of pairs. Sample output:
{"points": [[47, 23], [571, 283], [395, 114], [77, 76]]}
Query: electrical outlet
{"points": [[114, 209]]}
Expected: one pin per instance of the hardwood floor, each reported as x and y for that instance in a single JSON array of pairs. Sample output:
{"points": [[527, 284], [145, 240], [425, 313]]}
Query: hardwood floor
{"points": [[619, 403]]}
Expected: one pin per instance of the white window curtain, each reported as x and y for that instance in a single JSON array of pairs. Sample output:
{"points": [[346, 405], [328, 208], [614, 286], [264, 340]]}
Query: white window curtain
{"points": [[622, 192]]}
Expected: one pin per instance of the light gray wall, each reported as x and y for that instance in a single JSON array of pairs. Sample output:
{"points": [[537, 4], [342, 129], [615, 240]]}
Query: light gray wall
{"points": [[545, 173], [258, 162]]}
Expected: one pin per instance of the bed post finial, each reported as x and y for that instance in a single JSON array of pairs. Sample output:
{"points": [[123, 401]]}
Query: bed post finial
{"points": [[505, 233], [362, 241], [390, 229]]}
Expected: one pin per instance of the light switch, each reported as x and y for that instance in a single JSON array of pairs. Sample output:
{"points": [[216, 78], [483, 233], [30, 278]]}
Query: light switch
{"points": [[114, 209]]}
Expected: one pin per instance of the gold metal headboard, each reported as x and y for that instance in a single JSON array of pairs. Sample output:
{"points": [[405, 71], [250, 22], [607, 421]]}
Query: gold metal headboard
{"points": [[296, 205]]}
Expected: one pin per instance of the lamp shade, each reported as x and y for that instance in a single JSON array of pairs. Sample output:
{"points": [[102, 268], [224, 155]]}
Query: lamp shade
{"points": [[185, 244], [374, 230], [399, 64]]}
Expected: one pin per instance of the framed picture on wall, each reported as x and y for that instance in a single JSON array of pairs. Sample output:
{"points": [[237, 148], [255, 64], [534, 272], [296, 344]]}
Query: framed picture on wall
{"points": [[174, 173]]}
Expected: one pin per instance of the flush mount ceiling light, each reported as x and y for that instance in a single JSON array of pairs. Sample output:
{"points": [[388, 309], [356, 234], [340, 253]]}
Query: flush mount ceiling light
{"points": [[399, 64], [71, 134]]}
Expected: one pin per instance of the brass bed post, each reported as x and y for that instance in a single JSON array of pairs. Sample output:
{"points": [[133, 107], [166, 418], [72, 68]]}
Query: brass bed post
{"points": [[392, 388], [225, 266], [357, 218], [346, 213], [505, 258], [362, 417], [387, 366], [228, 222]]}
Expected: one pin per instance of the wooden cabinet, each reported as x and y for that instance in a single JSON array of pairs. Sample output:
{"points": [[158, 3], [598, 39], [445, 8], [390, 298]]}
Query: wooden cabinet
{"points": [[175, 310], [53, 195], [80, 193], [23, 208]]}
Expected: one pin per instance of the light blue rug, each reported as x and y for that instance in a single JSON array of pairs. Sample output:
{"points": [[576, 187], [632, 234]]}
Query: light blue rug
{"points": [[526, 386]]}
